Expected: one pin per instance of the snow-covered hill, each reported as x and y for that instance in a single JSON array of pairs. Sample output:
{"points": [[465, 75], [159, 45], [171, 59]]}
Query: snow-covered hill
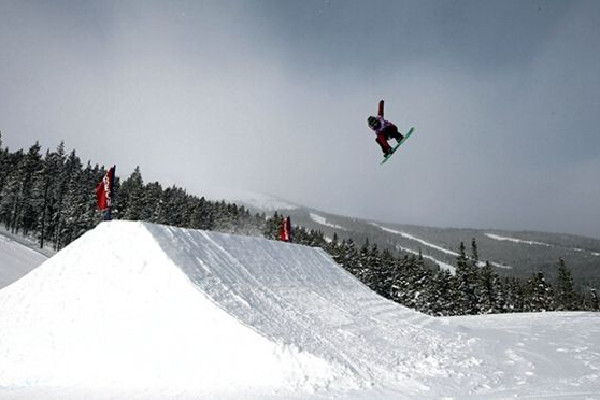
{"points": [[134, 310]]}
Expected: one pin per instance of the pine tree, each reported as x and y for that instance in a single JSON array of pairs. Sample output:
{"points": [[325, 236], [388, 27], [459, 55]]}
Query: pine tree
{"points": [[72, 202], [28, 209], [474, 253], [410, 283], [465, 279], [376, 269], [566, 298], [129, 200], [538, 295], [386, 274], [153, 194], [441, 293], [90, 179], [514, 295], [420, 258], [488, 284], [333, 248], [350, 258], [501, 289], [10, 195], [5, 168], [200, 215], [367, 262], [57, 184], [76, 200], [594, 303], [44, 192], [424, 297], [272, 227]]}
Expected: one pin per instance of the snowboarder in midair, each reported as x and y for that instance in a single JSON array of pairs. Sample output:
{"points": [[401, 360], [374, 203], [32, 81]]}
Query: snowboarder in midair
{"points": [[384, 130]]}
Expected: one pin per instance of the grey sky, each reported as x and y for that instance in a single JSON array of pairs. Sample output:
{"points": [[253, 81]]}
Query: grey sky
{"points": [[273, 96]]}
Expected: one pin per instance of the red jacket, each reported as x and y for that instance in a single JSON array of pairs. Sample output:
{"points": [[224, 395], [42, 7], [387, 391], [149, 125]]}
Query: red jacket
{"points": [[384, 123]]}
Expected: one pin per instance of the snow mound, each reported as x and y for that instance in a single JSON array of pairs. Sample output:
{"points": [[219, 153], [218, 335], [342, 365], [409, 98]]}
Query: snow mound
{"points": [[133, 304], [113, 307], [141, 311]]}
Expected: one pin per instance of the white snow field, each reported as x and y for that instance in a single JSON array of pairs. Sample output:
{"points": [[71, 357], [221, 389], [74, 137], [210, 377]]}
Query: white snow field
{"points": [[140, 311]]}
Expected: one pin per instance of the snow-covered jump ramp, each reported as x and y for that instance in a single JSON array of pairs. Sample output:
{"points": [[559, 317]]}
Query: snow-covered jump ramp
{"points": [[140, 310]]}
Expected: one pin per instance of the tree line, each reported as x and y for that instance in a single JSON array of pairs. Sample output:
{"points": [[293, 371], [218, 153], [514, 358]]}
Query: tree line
{"points": [[51, 197], [472, 289]]}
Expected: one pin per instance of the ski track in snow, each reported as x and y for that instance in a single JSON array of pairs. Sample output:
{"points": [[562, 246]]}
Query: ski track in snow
{"points": [[435, 247], [494, 236], [423, 242], [141, 311], [442, 264], [16, 260], [323, 221]]}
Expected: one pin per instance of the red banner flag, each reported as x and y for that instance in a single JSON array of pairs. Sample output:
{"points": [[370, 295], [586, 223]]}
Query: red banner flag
{"points": [[104, 190], [285, 233]]}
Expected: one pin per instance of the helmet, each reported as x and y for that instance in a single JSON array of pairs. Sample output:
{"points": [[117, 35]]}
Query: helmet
{"points": [[373, 122]]}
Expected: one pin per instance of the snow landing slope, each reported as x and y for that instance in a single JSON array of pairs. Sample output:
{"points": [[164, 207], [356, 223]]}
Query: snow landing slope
{"points": [[174, 313]]}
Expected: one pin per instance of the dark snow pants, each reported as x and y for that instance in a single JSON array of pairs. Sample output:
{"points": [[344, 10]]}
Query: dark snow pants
{"points": [[390, 132]]}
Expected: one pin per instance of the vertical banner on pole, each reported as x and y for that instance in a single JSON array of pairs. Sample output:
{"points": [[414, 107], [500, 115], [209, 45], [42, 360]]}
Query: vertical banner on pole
{"points": [[105, 192]]}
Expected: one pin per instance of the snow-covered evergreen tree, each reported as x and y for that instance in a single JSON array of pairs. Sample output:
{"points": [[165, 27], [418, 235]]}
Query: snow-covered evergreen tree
{"points": [[489, 286], [538, 294], [594, 302], [130, 197], [10, 195], [565, 296], [76, 201], [466, 279]]}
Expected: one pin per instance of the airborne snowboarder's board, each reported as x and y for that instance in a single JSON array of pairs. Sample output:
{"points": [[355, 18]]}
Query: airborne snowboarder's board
{"points": [[406, 136]]}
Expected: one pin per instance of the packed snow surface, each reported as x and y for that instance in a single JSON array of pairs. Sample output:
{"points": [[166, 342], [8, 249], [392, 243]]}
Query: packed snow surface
{"points": [[141, 311], [16, 260]]}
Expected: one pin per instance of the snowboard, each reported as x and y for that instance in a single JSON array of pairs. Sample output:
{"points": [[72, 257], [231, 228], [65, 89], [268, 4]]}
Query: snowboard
{"points": [[406, 136]]}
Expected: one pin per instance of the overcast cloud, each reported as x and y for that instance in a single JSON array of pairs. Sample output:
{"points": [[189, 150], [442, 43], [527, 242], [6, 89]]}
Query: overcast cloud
{"points": [[273, 96]]}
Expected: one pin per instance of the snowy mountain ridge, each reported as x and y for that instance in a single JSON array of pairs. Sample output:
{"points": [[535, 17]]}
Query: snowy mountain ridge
{"points": [[517, 253], [255, 201]]}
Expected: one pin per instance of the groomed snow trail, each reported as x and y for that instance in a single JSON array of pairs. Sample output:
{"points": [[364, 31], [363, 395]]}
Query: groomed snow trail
{"points": [[135, 310], [16, 260]]}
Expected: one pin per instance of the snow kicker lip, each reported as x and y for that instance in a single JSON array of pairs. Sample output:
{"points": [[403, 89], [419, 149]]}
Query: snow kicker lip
{"points": [[114, 307]]}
